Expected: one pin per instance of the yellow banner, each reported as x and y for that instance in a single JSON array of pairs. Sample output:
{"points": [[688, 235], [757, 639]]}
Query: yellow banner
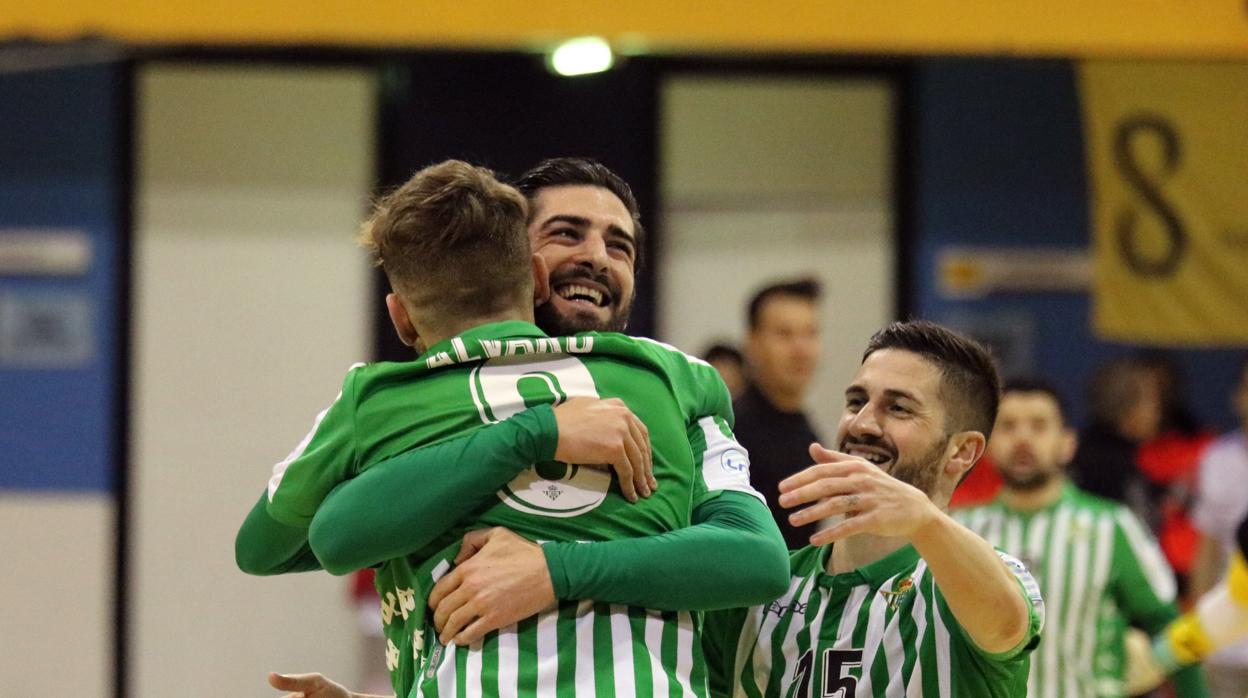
{"points": [[1168, 159], [1086, 28]]}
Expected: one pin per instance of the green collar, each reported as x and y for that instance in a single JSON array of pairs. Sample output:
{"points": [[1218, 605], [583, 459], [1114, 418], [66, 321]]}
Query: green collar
{"points": [[472, 336], [1068, 491], [873, 574]]}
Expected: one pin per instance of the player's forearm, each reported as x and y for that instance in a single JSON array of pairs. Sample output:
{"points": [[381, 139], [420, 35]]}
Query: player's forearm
{"points": [[399, 505], [733, 555], [981, 592], [265, 546]]}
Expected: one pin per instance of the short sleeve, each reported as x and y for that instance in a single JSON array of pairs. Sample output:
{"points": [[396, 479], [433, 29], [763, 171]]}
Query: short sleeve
{"points": [[723, 464], [1035, 607]]}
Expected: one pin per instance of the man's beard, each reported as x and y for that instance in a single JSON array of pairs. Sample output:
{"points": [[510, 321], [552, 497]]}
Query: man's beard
{"points": [[1027, 483], [547, 317], [922, 471]]}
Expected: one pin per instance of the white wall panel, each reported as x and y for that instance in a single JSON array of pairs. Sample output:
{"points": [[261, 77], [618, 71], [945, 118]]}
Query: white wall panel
{"points": [[249, 300]]}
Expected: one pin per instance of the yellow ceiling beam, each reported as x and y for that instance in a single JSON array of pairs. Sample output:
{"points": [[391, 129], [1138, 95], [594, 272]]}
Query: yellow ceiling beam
{"points": [[1077, 28]]}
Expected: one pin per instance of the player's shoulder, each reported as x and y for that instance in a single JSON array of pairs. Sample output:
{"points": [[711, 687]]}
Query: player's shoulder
{"points": [[653, 353], [363, 372], [665, 351], [1079, 498]]}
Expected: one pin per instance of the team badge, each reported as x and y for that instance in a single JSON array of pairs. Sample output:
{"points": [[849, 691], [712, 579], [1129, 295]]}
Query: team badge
{"points": [[900, 588]]}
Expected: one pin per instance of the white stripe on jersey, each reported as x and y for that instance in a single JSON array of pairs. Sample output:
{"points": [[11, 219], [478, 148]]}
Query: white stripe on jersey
{"points": [[584, 672], [788, 645], [919, 613], [1035, 553], [472, 670], [547, 652], [1055, 598], [1101, 564], [654, 642], [894, 652], [942, 651], [1156, 571], [447, 676], [762, 647], [684, 652], [725, 463], [824, 597], [508, 662], [1013, 537], [1076, 596], [622, 654], [875, 633], [279, 470]]}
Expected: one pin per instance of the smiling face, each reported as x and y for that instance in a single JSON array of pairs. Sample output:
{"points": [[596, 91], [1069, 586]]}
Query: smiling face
{"points": [[895, 418], [1030, 443], [586, 236]]}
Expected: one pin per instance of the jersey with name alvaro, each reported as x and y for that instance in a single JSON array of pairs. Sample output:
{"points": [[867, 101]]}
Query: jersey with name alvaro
{"points": [[481, 377], [882, 630], [1099, 570]]}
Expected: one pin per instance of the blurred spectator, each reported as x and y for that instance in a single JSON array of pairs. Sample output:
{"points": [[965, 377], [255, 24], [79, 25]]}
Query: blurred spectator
{"points": [[731, 366], [1221, 502], [1125, 409], [1085, 552], [1169, 462], [782, 348]]}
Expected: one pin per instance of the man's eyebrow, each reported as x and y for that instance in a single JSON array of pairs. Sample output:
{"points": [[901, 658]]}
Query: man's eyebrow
{"points": [[575, 221], [900, 395], [618, 232], [892, 393]]}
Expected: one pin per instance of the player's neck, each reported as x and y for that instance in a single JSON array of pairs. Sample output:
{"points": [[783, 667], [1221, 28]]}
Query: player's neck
{"points": [[861, 550], [435, 333], [1034, 500]]}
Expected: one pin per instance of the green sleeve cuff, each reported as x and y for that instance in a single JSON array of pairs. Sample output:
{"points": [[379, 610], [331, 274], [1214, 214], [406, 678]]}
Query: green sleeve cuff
{"points": [[557, 563], [1031, 639], [266, 546], [539, 426]]}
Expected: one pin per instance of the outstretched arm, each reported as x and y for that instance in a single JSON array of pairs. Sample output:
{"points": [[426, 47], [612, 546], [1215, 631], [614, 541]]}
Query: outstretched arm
{"points": [[984, 590]]}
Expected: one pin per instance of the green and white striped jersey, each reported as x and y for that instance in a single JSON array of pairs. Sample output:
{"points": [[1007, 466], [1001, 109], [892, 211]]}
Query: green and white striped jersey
{"points": [[1099, 570], [481, 377], [881, 630]]}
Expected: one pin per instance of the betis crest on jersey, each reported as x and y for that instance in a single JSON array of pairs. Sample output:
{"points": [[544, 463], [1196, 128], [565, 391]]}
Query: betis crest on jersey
{"points": [[501, 388]]}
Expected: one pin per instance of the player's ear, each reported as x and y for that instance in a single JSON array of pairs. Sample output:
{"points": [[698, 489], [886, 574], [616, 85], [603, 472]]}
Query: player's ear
{"points": [[401, 320], [965, 448], [1070, 444], [541, 281]]}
